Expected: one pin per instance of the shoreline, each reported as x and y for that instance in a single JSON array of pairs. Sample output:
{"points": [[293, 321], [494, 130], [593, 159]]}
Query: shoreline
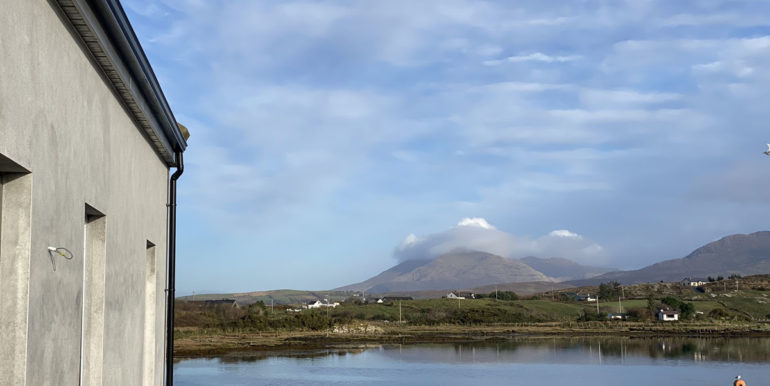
{"points": [[201, 343]]}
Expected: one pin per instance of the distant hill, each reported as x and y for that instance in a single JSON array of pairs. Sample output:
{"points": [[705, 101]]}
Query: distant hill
{"points": [[389, 275], [743, 254], [520, 288], [737, 254], [561, 269], [281, 296], [461, 269]]}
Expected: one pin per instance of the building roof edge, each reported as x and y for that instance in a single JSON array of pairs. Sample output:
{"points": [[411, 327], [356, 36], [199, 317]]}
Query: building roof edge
{"points": [[104, 29]]}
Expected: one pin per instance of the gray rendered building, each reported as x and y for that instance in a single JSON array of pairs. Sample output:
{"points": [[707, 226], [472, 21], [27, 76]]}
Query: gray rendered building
{"points": [[87, 143]]}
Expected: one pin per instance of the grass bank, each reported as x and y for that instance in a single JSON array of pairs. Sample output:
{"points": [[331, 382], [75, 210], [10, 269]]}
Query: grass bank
{"points": [[206, 328], [195, 342]]}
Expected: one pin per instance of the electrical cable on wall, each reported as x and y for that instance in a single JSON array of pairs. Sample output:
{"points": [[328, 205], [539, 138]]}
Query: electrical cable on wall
{"points": [[63, 252]]}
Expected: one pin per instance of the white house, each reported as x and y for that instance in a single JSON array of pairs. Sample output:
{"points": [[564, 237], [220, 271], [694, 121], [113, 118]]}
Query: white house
{"points": [[692, 282], [314, 304], [87, 201], [667, 315], [453, 295], [587, 298], [319, 304]]}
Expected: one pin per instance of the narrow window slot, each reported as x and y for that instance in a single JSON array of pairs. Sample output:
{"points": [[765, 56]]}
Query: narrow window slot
{"points": [[150, 305], [15, 257], [92, 328]]}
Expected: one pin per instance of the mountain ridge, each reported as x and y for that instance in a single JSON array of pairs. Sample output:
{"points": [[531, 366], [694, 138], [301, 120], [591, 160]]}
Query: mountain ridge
{"points": [[741, 254], [464, 269]]}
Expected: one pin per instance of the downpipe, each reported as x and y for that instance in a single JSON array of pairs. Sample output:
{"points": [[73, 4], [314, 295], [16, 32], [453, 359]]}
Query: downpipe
{"points": [[172, 269]]}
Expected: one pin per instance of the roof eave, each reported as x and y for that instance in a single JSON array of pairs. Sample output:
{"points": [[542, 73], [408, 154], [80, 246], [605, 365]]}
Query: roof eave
{"points": [[106, 33]]}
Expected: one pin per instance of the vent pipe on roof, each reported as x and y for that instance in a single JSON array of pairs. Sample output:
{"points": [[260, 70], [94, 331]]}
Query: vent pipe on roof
{"points": [[172, 268]]}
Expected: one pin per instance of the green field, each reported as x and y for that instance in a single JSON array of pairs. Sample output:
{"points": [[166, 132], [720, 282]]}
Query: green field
{"points": [[282, 309]]}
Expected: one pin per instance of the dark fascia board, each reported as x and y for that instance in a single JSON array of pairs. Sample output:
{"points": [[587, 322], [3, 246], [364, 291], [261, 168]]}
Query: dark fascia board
{"points": [[105, 31], [124, 35]]}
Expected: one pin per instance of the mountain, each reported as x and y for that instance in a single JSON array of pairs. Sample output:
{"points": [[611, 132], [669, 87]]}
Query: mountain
{"points": [[459, 269], [386, 276], [561, 269], [737, 254]]}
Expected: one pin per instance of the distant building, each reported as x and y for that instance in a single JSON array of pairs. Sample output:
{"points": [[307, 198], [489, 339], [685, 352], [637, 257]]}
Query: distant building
{"points": [[667, 315], [318, 304], [579, 297], [395, 298], [617, 316], [314, 304], [460, 295], [692, 282], [584, 298]]}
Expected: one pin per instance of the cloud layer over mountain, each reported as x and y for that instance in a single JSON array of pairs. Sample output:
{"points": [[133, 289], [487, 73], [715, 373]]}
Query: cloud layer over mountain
{"points": [[478, 234]]}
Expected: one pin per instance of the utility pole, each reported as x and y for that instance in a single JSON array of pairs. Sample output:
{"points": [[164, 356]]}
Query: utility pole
{"points": [[399, 311], [620, 306], [623, 292]]}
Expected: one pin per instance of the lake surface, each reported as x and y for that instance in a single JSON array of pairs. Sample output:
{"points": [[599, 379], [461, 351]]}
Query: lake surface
{"points": [[546, 361]]}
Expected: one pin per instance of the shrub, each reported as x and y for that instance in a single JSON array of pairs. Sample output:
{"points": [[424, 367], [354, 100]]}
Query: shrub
{"points": [[718, 313], [687, 310], [672, 301], [639, 314], [505, 295], [589, 316]]}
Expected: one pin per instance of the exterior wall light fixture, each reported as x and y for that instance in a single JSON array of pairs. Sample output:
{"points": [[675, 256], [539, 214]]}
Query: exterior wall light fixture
{"points": [[61, 251]]}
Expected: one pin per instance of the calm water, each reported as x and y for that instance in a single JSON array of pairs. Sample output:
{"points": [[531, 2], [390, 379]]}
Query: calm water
{"points": [[574, 362]]}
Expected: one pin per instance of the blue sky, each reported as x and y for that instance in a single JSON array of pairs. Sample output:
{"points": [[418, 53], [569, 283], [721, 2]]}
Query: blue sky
{"points": [[325, 133]]}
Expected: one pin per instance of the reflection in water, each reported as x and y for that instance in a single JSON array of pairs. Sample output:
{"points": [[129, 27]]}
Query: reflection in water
{"points": [[550, 361], [584, 350], [300, 354]]}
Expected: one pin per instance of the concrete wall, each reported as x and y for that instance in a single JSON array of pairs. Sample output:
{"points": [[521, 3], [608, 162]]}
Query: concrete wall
{"points": [[60, 120]]}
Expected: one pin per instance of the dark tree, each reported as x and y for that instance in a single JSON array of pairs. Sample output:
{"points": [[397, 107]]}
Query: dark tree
{"points": [[609, 290]]}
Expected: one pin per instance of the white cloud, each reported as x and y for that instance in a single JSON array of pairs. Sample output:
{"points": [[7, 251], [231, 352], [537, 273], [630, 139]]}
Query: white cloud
{"points": [[534, 57], [598, 98], [477, 234], [564, 233], [475, 222], [731, 19]]}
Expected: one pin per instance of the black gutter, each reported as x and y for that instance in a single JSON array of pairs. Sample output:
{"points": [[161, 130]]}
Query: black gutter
{"points": [[148, 75], [114, 19], [172, 268]]}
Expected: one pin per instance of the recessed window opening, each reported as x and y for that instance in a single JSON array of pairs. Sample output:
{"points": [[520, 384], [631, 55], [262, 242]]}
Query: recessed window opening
{"points": [[150, 305], [15, 258], [92, 327]]}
